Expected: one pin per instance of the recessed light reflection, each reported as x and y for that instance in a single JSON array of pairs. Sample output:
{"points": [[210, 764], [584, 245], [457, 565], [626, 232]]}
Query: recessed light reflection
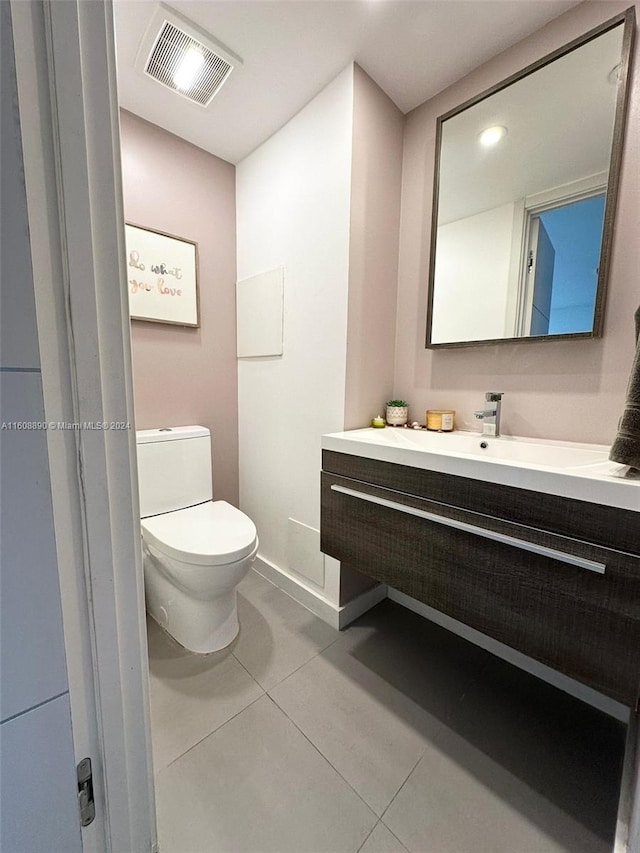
{"points": [[492, 135]]}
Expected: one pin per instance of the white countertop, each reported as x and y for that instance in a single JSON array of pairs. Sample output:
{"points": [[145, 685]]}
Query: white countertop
{"points": [[564, 468]]}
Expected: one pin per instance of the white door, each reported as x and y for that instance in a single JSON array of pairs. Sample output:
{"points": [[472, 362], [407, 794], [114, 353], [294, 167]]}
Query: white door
{"points": [[537, 284], [38, 798], [542, 255], [65, 69]]}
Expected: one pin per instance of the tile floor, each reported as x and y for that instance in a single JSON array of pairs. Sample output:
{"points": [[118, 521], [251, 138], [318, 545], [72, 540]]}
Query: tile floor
{"points": [[391, 736]]}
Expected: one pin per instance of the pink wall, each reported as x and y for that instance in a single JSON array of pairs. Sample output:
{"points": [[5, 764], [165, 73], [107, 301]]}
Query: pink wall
{"points": [[184, 375], [376, 180], [374, 232], [573, 390]]}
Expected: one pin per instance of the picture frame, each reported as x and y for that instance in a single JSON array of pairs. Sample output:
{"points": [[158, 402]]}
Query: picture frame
{"points": [[162, 277]]}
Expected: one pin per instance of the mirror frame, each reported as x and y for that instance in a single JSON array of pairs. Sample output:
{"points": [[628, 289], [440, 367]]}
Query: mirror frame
{"points": [[627, 19]]}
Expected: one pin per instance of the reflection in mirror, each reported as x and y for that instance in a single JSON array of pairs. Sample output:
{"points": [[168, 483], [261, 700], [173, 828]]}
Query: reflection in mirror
{"points": [[563, 252], [525, 185]]}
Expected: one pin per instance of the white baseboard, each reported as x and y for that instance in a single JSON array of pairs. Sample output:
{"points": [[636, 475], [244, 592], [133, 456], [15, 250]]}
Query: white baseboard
{"points": [[334, 615], [350, 611], [557, 679]]}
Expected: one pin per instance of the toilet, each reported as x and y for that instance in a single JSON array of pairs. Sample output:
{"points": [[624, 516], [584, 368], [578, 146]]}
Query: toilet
{"points": [[195, 550]]}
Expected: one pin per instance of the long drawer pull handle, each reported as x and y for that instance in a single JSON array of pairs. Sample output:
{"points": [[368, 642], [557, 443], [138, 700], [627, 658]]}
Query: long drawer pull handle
{"points": [[572, 560]]}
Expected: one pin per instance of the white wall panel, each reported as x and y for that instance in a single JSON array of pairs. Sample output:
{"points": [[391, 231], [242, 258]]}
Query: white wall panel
{"points": [[32, 659], [472, 293], [37, 778], [304, 555], [38, 801], [293, 210], [260, 314], [18, 333]]}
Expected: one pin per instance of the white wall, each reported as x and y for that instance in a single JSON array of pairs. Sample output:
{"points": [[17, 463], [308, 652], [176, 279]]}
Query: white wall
{"points": [[37, 765], [482, 269], [293, 209]]}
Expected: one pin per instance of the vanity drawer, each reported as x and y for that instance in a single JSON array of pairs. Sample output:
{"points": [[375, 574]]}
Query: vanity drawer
{"points": [[568, 603], [602, 525]]}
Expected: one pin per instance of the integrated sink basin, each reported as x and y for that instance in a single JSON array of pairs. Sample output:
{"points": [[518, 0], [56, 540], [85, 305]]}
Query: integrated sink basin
{"points": [[581, 471], [506, 448]]}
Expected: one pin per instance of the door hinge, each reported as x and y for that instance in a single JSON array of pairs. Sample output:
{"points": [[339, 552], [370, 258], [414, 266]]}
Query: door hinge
{"points": [[530, 261], [85, 792]]}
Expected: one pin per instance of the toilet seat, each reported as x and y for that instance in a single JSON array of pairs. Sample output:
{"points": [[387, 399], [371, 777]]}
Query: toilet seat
{"points": [[212, 533]]}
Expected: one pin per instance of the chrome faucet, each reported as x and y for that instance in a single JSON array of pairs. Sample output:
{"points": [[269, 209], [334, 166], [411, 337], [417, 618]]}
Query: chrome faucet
{"points": [[490, 415]]}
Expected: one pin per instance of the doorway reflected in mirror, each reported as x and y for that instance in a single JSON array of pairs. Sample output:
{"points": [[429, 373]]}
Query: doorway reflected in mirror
{"points": [[560, 277]]}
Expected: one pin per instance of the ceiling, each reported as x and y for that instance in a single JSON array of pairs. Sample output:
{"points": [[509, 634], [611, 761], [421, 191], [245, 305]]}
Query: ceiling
{"points": [[292, 48]]}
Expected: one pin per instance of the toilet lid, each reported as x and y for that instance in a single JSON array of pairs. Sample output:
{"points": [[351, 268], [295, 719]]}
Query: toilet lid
{"points": [[210, 533]]}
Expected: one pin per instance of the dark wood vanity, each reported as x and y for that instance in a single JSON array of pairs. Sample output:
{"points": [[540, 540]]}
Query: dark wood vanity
{"points": [[555, 578]]}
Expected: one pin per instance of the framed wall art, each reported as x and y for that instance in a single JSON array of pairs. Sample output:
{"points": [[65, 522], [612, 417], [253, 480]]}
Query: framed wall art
{"points": [[162, 277]]}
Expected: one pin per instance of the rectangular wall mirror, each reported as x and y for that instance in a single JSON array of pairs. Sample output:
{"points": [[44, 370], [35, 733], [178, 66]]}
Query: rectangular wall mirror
{"points": [[524, 198]]}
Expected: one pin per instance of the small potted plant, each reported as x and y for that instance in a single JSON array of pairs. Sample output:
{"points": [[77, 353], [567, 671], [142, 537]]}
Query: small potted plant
{"points": [[397, 412]]}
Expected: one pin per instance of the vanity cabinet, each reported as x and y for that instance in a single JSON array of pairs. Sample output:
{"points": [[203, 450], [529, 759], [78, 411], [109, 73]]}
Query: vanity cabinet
{"points": [[555, 578]]}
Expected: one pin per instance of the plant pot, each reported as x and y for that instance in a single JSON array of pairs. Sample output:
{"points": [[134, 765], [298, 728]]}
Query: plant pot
{"points": [[397, 415]]}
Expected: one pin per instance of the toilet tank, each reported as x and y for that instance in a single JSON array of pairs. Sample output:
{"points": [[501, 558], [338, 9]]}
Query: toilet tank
{"points": [[174, 468]]}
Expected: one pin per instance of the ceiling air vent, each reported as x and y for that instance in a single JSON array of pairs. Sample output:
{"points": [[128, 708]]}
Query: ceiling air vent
{"points": [[181, 57]]}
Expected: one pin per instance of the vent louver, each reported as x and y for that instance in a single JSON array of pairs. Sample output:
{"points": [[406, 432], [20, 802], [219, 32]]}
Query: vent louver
{"points": [[167, 54]]}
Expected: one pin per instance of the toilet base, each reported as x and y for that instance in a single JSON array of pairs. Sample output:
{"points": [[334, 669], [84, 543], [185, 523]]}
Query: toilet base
{"points": [[201, 625], [204, 639]]}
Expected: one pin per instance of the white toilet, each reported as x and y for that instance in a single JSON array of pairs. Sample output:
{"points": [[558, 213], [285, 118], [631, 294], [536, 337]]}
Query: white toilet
{"points": [[196, 550]]}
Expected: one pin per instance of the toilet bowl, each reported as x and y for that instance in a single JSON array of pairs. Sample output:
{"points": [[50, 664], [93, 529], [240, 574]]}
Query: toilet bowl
{"points": [[194, 554]]}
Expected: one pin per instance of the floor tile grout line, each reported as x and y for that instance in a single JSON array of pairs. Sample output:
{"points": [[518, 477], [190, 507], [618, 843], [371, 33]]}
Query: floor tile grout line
{"points": [[324, 757], [250, 674], [213, 731], [368, 836], [292, 597], [306, 610], [394, 835], [298, 668], [284, 678], [409, 775], [267, 691], [422, 753]]}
